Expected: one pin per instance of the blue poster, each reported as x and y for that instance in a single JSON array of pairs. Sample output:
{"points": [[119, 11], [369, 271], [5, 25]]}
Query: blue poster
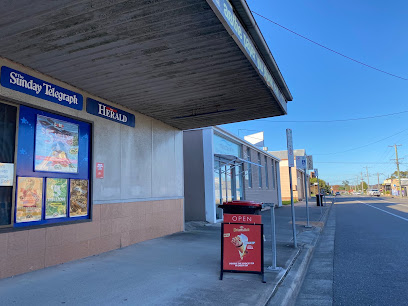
{"points": [[56, 145]]}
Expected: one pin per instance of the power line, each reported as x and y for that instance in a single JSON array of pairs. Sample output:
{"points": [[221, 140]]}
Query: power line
{"points": [[369, 144], [327, 48], [336, 120]]}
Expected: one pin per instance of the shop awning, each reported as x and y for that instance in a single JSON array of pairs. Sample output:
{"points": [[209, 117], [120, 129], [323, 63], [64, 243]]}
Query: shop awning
{"points": [[187, 63], [231, 159]]}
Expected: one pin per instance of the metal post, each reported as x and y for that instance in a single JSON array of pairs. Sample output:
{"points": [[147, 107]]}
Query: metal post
{"points": [[320, 199], [307, 202], [292, 208], [273, 240]]}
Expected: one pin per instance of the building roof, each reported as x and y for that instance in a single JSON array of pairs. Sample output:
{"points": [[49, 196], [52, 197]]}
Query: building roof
{"points": [[180, 62], [284, 154]]}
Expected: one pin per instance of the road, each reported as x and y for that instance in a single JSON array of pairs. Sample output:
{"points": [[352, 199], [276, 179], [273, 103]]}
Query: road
{"points": [[369, 262]]}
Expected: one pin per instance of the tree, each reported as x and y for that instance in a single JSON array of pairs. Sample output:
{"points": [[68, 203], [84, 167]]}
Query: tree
{"points": [[324, 187], [403, 174]]}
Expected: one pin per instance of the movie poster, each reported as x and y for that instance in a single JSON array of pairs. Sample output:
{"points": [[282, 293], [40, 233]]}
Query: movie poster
{"points": [[29, 199], [56, 198], [78, 201], [56, 145]]}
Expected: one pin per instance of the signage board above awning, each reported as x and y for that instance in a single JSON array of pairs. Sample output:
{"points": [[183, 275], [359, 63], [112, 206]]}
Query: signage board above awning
{"points": [[227, 12]]}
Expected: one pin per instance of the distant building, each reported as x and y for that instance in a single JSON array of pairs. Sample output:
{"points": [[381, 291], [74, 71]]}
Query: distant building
{"points": [[298, 175], [220, 167]]}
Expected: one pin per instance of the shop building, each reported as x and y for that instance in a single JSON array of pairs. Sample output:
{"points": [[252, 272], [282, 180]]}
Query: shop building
{"points": [[220, 167], [298, 176], [93, 100]]}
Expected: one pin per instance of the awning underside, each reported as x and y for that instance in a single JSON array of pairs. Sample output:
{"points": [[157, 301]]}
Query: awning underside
{"points": [[172, 60]]}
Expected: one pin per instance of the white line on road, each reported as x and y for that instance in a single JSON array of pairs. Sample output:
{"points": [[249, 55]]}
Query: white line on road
{"points": [[405, 219], [393, 202]]}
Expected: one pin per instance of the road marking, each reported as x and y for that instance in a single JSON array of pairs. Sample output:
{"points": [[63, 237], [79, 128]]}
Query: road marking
{"points": [[393, 202], [405, 219]]}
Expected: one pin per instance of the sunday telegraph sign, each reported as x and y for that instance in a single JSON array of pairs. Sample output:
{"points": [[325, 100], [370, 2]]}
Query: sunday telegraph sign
{"points": [[109, 112], [32, 86]]}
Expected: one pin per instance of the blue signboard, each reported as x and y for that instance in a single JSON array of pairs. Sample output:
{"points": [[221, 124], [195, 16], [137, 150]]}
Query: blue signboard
{"points": [[225, 8], [109, 112], [32, 86]]}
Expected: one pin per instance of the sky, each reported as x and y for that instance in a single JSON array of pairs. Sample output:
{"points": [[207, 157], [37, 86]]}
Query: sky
{"points": [[326, 86]]}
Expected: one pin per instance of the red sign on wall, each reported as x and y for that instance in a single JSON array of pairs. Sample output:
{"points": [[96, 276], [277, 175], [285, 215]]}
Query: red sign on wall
{"points": [[242, 247], [100, 170], [242, 218]]}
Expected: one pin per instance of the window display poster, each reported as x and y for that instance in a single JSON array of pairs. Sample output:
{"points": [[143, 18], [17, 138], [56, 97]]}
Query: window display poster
{"points": [[56, 198], [78, 201], [56, 145], [29, 199]]}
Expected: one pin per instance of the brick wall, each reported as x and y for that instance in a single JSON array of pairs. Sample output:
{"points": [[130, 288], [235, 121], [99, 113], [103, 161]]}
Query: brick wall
{"points": [[113, 226]]}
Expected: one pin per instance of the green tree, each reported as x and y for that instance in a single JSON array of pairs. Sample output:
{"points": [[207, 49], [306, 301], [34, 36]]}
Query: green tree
{"points": [[403, 174]]}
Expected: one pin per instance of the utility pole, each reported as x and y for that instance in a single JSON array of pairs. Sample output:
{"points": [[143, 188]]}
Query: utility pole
{"points": [[398, 170], [362, 181], [368, 179], [378, 181], [357, 183]]}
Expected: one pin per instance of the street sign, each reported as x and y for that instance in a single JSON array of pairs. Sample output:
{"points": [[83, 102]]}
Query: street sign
{"points": [[301, 162], [316, 172], [291, 159], [309, 162]]}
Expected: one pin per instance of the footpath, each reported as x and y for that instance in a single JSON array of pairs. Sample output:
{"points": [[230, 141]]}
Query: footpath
{"points": [[179, 269]]}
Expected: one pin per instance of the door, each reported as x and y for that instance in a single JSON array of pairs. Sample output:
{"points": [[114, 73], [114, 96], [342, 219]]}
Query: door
{"points": [[8, 115]]}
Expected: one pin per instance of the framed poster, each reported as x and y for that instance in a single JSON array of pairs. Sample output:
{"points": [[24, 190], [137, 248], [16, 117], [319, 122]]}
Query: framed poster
{"points": [[56, 145], [56, 198], [29, 199], [78, 201]]}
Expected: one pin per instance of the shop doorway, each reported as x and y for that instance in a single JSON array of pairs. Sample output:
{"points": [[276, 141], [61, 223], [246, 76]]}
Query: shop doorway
{"points": [[8, 118]]}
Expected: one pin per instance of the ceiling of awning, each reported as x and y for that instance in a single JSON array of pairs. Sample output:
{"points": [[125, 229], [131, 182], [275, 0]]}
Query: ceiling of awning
{"points": [[172, 60]]}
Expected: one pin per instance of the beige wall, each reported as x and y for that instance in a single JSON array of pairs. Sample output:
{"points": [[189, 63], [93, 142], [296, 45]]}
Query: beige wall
{"points": [[297, 182], [140, 197]]}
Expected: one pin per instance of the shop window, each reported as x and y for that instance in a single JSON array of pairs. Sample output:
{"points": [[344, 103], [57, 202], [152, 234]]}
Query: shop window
{"points": [[273, 175], [260, 170], [8, 116], [266, 173], [53, 169], [249, 165]]}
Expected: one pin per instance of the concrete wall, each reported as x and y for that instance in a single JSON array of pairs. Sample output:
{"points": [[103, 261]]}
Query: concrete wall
{"points": [[143, 186], [256, 193], [194, 194]]}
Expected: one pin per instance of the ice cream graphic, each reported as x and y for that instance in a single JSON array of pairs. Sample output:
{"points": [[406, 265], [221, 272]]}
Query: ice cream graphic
{"points": [[241, 242]]}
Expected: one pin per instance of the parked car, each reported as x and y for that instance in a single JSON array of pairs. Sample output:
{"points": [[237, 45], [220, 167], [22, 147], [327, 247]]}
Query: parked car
{"points": [[337, 193], [373, 192]]}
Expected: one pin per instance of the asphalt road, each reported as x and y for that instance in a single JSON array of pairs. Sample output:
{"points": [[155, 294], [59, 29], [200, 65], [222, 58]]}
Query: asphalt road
{"points": [[370, 257]]}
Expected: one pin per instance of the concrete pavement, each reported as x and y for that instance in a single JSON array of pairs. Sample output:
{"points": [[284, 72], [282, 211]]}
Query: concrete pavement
{"points": [[180, 269]]}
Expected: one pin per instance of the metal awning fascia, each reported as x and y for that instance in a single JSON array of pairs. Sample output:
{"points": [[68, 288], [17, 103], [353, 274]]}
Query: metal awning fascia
{"points": [[233, 159]]}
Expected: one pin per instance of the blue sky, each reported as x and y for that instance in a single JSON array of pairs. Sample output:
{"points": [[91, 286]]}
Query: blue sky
{"points": [[326, 86]]}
